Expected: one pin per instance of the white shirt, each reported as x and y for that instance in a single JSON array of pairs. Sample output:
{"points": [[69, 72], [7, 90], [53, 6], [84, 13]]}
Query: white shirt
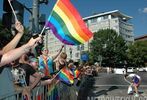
{"points": [[134, 75]]}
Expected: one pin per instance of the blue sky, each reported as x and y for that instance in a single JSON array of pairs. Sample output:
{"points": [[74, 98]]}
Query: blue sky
{"points": [[135, 8]]}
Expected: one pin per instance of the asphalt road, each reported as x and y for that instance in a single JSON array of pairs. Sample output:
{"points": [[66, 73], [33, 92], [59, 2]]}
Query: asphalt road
{"points": [[109, 85]]}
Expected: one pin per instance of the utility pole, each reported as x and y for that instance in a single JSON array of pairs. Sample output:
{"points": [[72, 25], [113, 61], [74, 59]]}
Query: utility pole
{"points": [[35, 16]]}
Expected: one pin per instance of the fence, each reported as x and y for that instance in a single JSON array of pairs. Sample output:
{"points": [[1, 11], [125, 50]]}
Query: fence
{"points": [[48, 92], [9, 91]]}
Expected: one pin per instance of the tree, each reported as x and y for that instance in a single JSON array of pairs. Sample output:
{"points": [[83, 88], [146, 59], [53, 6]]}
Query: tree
{"points": [[137, 54], [111, 46], [5, 35]]}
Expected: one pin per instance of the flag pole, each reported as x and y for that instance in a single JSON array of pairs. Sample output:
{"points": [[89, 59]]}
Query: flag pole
{"points": [[45, 24], [48, 19], [42, 30], [56, 75], [13, 10]]}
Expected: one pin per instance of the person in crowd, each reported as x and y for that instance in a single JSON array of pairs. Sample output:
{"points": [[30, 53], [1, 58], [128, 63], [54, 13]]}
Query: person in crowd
{"points": [[73, 89], [46, 61], [13, 43], [14, 54], [71, 65], [61, 61], [9, 53], [34, 63], [27, 71], [135, 80]]}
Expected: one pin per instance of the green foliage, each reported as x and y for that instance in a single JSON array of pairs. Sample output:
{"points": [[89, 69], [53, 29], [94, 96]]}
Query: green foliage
{"points": [[5, 35], [137, 54], [110, 46]]}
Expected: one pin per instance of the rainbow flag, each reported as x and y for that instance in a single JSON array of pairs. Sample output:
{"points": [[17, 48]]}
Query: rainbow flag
{"points": [[66, 76], [67, 24], [77, 73]]}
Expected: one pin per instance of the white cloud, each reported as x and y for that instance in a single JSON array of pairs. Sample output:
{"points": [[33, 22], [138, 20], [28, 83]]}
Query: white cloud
{"points": [[145, 10]]}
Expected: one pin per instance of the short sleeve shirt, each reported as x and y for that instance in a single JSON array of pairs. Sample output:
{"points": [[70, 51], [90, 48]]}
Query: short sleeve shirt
{"points": [[28, 70], [134, 77]]}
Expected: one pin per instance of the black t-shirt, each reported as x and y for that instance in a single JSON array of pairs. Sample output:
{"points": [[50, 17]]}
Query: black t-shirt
{"points": [[28, 71]]}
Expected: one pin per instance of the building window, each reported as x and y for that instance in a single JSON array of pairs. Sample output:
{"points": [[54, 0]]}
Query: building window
{"points": [[82, 47], [105, 17], [77, 55], [99, 19], [115, 27], [93, 20], [78, 47]]}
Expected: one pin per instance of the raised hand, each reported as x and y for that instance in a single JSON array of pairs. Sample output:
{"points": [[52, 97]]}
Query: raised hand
{"points": [[19, 27]]}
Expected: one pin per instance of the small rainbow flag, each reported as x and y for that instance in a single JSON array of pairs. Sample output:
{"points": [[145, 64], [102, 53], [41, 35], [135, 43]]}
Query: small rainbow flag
{"points": [[67, 24], [77, 73], [66, 76]]}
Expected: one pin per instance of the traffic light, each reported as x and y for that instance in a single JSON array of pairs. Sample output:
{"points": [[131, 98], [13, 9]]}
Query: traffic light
{"points": [[7, 20], [42, 19], [8, 17], [43, 1]]}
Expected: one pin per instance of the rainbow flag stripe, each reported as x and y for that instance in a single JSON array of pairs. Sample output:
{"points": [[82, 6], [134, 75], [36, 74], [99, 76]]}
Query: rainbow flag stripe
{"points": [[67, 24], [77, 73], [65, 76]]}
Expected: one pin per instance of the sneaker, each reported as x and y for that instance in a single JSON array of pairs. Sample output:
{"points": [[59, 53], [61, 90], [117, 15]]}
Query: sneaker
{"points": [[131, 93], [136, 95]]}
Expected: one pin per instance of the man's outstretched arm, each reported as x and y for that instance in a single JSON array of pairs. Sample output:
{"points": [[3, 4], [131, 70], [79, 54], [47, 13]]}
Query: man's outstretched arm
{"points": [[13, 43], [16, 53]]}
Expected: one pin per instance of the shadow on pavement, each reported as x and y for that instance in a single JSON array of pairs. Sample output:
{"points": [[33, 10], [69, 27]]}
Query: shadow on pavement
{"points": [[104, 92]]}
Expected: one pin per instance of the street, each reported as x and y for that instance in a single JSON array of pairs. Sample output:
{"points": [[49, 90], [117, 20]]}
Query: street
{"points": [[110, 85]]}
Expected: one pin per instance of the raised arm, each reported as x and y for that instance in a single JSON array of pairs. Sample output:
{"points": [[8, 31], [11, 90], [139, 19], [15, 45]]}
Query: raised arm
{"points": [[54, 57], [13, 43], [16, 53]]}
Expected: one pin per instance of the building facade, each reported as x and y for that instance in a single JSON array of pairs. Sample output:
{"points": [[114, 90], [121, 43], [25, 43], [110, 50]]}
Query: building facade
{"points": [[107, 20]]}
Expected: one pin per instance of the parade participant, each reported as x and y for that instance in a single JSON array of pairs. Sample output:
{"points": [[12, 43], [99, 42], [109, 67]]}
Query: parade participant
{"points": [[46, 61], [135, 82]]}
